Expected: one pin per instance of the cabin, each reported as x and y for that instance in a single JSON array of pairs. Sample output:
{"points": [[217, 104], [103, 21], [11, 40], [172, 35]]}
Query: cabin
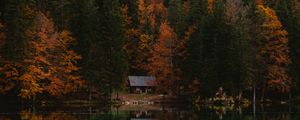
{"points": [[141, 115], [142, 84]]}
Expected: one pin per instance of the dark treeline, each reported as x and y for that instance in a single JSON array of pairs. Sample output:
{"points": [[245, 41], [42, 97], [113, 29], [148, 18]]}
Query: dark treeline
{"points": [[192, 47]]}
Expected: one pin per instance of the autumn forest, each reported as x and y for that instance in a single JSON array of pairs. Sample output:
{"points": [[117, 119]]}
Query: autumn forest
{"points": [[86, 49]]}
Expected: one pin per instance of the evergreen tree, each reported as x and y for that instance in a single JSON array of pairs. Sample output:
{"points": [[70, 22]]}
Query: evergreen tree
{"points": [[132, 11], [60, 10], [2, 9], [177, 17], [293, 27], [2, 38], [18, 16], [197, 18], [5, 82], [84, 25], [198, 8], [240, 45], [114, 65], [118, 58]]}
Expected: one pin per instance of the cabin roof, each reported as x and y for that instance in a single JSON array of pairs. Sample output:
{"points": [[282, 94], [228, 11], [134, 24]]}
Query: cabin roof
{"points": [[146, 81]]}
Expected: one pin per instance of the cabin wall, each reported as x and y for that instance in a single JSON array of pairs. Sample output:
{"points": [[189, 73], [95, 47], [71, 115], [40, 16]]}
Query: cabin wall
{"points": [[142, 90]]}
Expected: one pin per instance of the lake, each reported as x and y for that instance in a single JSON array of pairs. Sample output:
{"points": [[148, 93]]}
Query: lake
{"points": [[149, 112]]}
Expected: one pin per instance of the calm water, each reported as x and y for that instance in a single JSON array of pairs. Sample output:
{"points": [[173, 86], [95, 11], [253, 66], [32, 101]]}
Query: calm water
{"points": [[153, 112]]}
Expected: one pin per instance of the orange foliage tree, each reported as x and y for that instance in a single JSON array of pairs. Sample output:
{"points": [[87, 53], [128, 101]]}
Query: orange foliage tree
{"points": [[259, 2], [142, 10], [273, 53], [210, 5], [64, 78], [156, 12], [162, 61], [51, 64], [140, 39]]}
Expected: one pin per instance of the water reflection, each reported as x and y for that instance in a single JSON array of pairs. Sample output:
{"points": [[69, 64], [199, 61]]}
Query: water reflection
{"points": [[58, 115], [139, 112]]}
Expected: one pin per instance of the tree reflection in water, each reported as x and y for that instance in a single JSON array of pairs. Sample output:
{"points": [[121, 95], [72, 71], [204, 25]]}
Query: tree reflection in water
{"points": [[282, 116], [29, 115], [203, 113], [4, 118]]}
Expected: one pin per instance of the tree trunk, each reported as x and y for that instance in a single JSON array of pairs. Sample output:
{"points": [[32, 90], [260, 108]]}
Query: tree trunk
{"points": [[254, 99], [290, 102], [263, 112], [117, 91], [240, 97], [33, 103], [263, 93], [90, 93]]}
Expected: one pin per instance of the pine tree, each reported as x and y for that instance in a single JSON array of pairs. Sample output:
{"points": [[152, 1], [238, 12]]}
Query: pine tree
{"points": [[84, 25], [111, 40], [198, 9], [2, 9], [18, 16], [118, 60], [8, 73], [240, 53], [177, 17], [2, 37], [293, 27], [61, 11], [132, 11]]}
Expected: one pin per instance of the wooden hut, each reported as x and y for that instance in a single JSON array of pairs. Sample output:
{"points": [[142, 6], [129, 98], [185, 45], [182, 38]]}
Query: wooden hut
{"points": [[142, 84]]}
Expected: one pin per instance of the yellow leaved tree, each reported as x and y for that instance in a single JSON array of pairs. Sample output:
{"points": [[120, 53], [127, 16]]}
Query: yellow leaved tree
{"points": [[273, 53], [51, 65]]}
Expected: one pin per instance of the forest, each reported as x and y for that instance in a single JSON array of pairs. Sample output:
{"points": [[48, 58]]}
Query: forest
{"points": [[57, 48]]}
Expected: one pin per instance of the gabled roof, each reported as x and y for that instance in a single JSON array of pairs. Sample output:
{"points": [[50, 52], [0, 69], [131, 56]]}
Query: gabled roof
{"points": [[142, 81]]}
